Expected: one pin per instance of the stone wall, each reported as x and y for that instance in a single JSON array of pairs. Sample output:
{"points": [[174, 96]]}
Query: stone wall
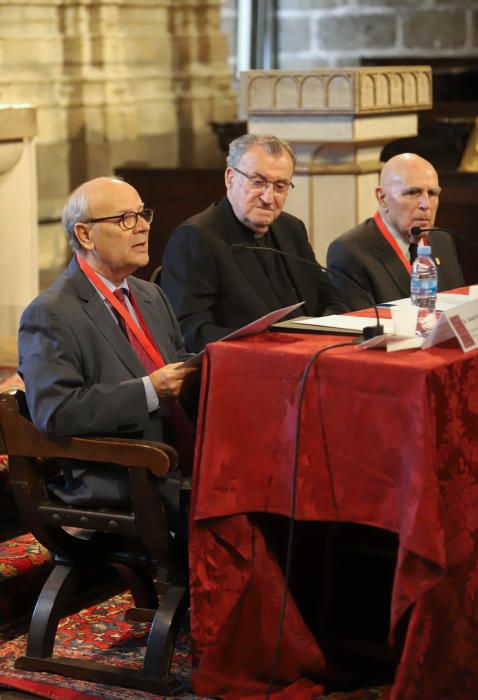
{"points": [[202, 79], [114, 82], [316, 33], [342, 32]]}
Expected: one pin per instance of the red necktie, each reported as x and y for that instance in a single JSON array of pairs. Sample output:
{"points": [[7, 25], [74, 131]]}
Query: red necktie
{"points": [[143, 356], [182, 426]]}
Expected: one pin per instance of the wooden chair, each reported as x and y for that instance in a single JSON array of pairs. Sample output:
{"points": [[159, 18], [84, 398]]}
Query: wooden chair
{"points": [[155, 276], [135, 542]]}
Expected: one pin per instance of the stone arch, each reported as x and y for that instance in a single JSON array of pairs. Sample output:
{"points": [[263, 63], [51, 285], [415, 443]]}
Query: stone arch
{"points": [[423, 88], [286, 93], [367, 92], [260, 93], [410, 89], [339, 93], [382, 90], [396, 89], [313, 92]]}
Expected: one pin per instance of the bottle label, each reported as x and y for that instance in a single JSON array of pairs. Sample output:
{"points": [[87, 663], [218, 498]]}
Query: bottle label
{"points": [[426, 287]]}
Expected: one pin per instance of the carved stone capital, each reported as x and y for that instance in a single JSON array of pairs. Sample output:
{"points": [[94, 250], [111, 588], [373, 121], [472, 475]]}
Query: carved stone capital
{"points": [[347, 91]]}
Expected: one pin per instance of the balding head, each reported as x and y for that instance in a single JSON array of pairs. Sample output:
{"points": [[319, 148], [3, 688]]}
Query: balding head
{"points": [[81, 203], [405, 165], [96, 229], [408, 193]]}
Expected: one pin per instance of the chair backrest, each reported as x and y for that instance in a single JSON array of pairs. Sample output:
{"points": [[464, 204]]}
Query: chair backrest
{"points": [[88, 542], [155, 276], [31, 455]]}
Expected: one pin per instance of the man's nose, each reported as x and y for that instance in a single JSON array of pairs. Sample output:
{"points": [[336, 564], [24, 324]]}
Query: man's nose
{"points": [[142, 225], [424, 200], [268, 192]]}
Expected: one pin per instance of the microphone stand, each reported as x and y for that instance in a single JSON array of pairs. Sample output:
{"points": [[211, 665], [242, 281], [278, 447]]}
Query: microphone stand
{"points": [[416, 231], [369, 331]]}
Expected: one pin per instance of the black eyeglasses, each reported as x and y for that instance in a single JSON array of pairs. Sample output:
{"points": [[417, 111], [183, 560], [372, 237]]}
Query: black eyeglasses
{"points": [[260, 183], [128, 220]]}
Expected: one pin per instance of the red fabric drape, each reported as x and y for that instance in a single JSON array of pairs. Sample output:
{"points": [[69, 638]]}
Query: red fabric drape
{"points": [[386, 439]]}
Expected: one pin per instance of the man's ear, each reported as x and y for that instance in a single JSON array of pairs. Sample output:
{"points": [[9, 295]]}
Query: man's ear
{"points": [[83, 234], [381, 197], [228, 175]]}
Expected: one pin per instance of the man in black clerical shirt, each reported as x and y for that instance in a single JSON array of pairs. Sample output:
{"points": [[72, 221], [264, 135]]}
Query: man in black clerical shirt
{"points": [[215, 288]]}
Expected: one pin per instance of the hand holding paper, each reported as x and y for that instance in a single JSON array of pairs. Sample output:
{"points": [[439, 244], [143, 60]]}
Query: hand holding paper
{"points": [[257, 326]]}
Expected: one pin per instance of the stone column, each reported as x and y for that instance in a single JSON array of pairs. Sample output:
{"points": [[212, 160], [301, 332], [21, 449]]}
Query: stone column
{"points": [[18, 204], [116, 85], [201, 80], [338, 121], [114, 82]]}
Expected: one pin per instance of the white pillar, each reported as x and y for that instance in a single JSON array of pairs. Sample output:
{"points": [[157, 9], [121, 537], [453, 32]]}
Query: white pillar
{"points": [[19, 216]]}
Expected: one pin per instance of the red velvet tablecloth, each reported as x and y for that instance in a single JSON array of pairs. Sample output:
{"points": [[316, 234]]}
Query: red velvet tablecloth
{"points": [[386, 439]]}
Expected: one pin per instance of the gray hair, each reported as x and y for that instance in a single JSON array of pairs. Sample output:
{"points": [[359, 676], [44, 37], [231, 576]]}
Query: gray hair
{"points": [[271, 144], [77, 210]]}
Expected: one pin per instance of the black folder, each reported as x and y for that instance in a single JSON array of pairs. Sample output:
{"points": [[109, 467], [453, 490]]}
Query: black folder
{"points": [[294, 326]]}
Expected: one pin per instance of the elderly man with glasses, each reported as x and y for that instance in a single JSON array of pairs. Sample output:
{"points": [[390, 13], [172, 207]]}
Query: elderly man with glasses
{"points": [[100, 351], [213, 270]]}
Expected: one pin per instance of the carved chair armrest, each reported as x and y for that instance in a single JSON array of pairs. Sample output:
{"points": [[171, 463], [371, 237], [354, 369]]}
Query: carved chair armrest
{"points": [[22, 439]]}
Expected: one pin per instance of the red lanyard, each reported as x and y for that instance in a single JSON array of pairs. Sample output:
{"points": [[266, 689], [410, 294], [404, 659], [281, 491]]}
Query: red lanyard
{"points": [[143, 337], [390, 239]]}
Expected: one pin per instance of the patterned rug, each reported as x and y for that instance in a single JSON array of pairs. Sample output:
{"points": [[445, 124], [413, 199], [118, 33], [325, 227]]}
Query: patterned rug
{"points": [[24, 566], [9, 379], [100, 633], [24, 563], [97, 633]]}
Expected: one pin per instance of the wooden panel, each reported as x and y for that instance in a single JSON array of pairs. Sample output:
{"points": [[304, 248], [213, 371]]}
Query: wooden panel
{"points": [[458, 211], [444, 130], [175, 194]]}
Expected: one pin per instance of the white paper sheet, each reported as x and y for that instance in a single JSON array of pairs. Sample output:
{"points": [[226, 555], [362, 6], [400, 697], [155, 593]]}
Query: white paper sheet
{"points": [[460, 321], [392, 342]]}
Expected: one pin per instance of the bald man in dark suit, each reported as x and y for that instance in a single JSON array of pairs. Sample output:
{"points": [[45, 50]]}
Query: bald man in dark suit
{"points": [[373, 260]]}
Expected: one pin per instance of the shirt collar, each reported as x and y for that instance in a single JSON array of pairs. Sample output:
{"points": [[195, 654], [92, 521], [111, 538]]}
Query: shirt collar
{"points": [[402, 243], [248, 230], [111, 286]]}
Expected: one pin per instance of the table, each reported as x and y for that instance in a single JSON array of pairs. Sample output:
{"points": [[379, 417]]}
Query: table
{"points": [[387, 439]]}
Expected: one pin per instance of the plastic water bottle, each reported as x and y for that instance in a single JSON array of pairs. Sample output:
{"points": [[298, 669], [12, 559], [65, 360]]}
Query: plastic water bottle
{"points": [[423, 289]]}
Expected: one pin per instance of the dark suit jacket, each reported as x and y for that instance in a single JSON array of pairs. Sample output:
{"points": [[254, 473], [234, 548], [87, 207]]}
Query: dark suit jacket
{"points": [[364, 255], [81, 374], [214, 289]]}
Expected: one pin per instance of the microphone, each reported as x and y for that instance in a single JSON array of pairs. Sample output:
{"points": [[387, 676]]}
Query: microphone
{"points": [[417, 231], [369, 331]]}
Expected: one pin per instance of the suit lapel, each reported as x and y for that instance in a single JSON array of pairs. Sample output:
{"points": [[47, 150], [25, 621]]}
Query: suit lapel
{"points": [[94, 306], [391, 263]]}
